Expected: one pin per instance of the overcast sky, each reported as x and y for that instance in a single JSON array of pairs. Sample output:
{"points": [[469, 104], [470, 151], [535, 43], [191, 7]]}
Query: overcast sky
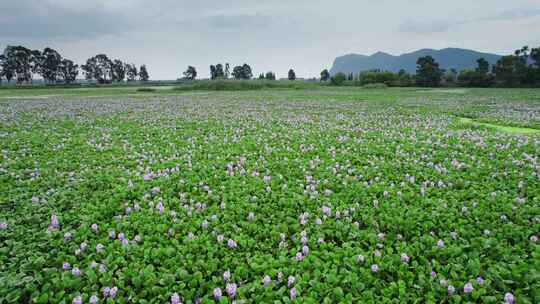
{"points": [[276, 35]]}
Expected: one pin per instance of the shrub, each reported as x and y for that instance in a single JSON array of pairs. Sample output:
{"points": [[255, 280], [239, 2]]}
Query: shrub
{"points": [[338, 79]]}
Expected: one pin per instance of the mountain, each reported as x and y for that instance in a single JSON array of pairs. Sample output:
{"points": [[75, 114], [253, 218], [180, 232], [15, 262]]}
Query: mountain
{"points": [[448, 58]]}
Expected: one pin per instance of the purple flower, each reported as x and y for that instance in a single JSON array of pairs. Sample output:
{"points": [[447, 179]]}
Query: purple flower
{"points": [[3, 225], [67, 236], [66, 266], [440, 244], [231, 243], [76, 272], [83, 246], [94, 299], [227, 276], [433, 274], [125, 242], [290, 281], [480, 281], [112, 234], [54, 222], [220, 238], [99, 248], [405, 258], [231, 289], [293, 293], [94, 227], [106, 292], [299, 257], [121, 236], [305, 250], [377, 253], [509, 298], [175, 298], [77, 300], [266, 280], [374, 268], [443, 282], [113, 292], [360, 258], [380, 236], [468, 288], [204, 224], [217, 293], [533, 239], [190, 235], [451, 289]]}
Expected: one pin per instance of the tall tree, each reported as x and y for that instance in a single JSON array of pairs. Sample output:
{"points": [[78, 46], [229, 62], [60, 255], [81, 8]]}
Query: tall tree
{"points": [[220, 73], [213, 72], [325, 75], [270, 76], [143, 73], [190, 73], [118, 70], [483, 66], [227, 71], [50, 65], [242, 72], [99, 68], [68, 70], [505, 70], [428, 73], [261, 76], [291, 75], [131, 72]]}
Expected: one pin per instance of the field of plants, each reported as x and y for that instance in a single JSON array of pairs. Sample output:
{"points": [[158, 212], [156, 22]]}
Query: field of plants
{"points": [[322, 195]]}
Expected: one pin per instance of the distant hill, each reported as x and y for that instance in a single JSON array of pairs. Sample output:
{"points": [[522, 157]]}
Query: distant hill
{"points": [[448, 58]]}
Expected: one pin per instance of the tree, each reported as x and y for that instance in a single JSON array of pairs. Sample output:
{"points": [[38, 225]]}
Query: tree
{"points": [[270, 76], [99, 68], [325, 75], [338, 79], [20, 62], [242, 72], [261, 76], [292, 75], [483, 66], [190, 73], [6, 70], [143, 73], [68, 70], [428, 73], [51, 62], [131, 72], [118, 70], [227, 71], [505, 70], [213, 72]]}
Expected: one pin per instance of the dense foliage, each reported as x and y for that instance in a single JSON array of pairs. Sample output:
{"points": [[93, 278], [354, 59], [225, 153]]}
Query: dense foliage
{"points": [[21, 64], [269, 197]]}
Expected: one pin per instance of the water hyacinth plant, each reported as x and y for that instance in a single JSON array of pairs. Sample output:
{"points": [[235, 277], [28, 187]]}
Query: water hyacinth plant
{"points": [[331, 196]]}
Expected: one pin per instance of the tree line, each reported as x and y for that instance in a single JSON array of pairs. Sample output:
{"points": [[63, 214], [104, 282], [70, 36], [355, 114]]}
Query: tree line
{"points": [[21, 64], [519, 69]]}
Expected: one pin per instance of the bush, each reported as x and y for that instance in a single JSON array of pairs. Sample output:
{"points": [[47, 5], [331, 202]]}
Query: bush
{"points": [[242, 85], [146, 90], [375, 86], [338, 79]]}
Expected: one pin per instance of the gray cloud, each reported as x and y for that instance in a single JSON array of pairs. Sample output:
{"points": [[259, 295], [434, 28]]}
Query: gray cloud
{"points": [[276, 35], [440, 26]]}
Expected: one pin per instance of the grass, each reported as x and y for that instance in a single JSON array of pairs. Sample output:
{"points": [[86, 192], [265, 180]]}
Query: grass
{"points": [[244, 85], [497, 127]]}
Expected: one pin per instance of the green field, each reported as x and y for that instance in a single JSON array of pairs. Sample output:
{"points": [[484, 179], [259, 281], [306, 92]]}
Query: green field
{"points": [[312, 194]]}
